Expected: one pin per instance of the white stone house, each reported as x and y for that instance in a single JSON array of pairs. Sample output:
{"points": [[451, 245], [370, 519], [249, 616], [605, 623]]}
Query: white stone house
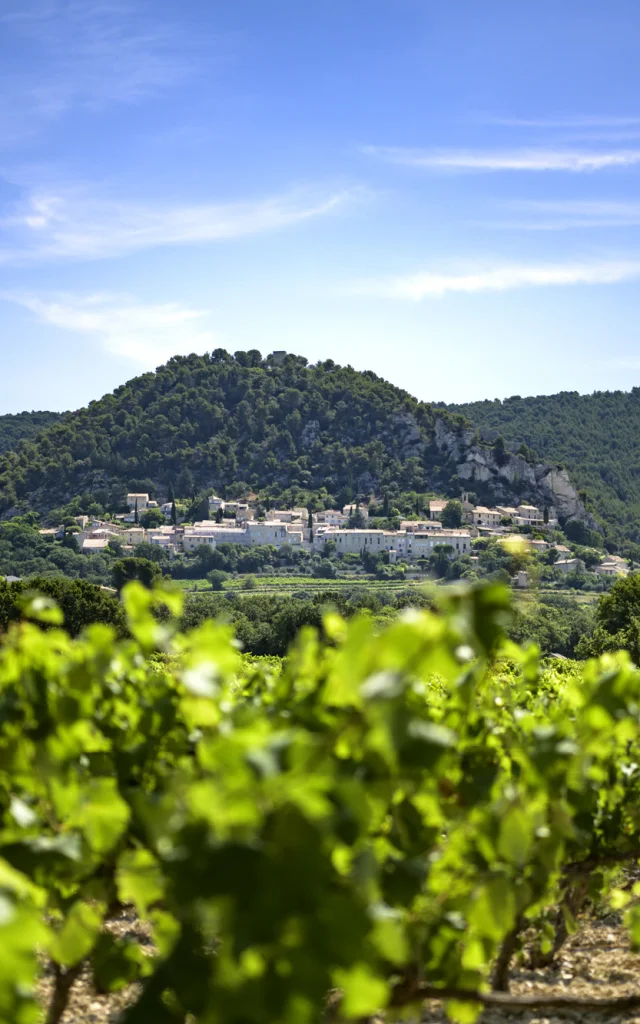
{"points": [[92, 544], [482, 516], [528, 515], [330, 517], [608, 568], [135, 535], [276, 533], [141, 501], [420, 525], [421, 545], [406, 544], [567, 565], [212, 534]]}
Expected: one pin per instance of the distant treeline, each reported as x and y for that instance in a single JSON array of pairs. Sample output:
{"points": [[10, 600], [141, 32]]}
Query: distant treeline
{"points": [[268, 624], [23, 426]]}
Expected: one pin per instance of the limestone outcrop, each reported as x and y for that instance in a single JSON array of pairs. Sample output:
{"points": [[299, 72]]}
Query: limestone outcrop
{"points": [[506, 474]]}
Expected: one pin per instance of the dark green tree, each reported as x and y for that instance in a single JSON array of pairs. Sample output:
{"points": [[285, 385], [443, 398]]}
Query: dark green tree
{"points": [[172, 498], [142, 569], [152, 517], [217, 578], [452, 515], [82, 603], [500, 450], [441, 558]]}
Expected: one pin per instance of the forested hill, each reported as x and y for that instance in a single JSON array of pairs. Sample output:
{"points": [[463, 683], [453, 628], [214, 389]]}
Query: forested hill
{"points": [[597, 438], [222, 420], [23, 425]]}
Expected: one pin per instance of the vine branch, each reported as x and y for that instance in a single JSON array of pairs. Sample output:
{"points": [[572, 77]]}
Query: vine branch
{"points": [[578, 866], [62, 985], [515, 1002]]}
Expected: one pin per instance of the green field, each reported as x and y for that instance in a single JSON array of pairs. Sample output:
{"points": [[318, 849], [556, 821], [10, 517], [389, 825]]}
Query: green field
{"points": [[287, 585], [291, 584]]}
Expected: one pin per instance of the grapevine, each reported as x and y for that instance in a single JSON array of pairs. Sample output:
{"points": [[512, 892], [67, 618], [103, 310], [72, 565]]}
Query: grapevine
{"points": [[374, 822]]}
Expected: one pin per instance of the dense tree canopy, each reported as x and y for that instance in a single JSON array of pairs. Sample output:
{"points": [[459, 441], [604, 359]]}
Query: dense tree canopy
{"points": [[142, 569], [25, 552], [81, 603], [594, 436], [231, 423], [617, 621], [23, 426]]}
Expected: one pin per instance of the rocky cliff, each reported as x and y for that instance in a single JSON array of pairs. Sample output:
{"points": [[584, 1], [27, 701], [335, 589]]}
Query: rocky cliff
{"points": [[505, 475]]}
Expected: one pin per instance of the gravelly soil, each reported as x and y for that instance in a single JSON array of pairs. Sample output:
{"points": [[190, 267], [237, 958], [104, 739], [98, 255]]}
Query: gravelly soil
{"points": [[596, 962], [85, 1005]]}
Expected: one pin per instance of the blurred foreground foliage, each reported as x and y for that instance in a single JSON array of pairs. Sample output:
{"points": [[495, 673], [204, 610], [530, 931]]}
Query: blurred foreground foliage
{"points": [[384, 811]]}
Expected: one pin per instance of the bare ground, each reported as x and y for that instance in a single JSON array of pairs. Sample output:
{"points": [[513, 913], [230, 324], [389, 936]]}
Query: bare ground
{"points": [[596, 962]]}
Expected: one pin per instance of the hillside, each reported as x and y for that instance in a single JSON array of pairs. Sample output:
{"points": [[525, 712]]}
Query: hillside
{"points": [[594, 436], [275, 425], [23, 426]]}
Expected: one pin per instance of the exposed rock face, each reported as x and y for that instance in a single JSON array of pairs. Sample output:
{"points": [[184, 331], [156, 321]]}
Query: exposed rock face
{"points": [[541, 484], [408, 434], [556, 484]]}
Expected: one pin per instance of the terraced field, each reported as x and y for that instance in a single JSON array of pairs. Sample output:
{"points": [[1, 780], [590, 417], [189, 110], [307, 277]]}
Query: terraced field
{"points": [[310, 584]]}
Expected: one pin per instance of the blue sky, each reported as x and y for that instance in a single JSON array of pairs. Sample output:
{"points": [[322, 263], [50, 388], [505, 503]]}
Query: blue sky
{"points": [[443, 191]]}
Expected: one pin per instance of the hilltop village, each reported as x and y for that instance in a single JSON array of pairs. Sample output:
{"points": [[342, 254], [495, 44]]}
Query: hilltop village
{"points": [[450, 529]]}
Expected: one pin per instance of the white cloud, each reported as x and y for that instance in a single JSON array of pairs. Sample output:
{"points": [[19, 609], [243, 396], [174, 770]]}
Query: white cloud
{"points": [[429, 284], [52, 226], [532, 159], [146, 334]]}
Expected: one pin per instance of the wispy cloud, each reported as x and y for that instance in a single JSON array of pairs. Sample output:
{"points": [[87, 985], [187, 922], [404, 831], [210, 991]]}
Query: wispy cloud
{"points": [[532, 159], [568, 121], [561, 215], [429, 284], [146, 334], [54, 225], [84, 54]]}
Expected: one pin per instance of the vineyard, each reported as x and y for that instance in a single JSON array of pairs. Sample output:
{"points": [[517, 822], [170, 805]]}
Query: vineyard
{"points": [[292, 584], [385, 817]]}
